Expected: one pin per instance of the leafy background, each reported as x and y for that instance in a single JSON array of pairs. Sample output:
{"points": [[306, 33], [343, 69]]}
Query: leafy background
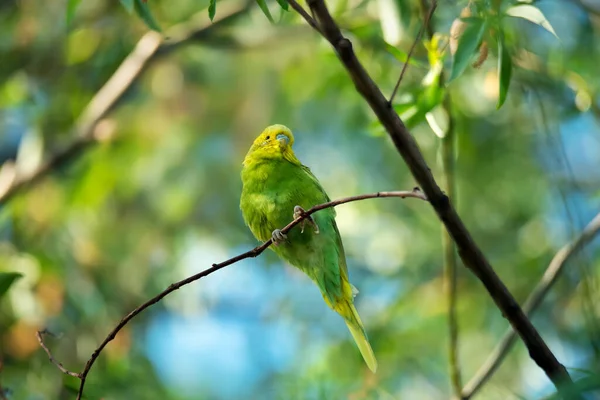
{"points": [[156, 199]]}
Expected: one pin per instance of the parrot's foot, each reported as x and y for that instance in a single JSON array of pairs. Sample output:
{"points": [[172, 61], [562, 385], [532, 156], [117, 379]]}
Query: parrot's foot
{"points": [[278, 237], [298, 212]]}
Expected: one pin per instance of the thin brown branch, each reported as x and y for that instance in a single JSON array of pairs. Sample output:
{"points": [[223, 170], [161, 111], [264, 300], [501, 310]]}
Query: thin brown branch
{"points": [[426, 12], [412, 48], [151, 45], [471, 254], [300, 10], [415, 193], [53, 360], [556, 266], [450, 264]]}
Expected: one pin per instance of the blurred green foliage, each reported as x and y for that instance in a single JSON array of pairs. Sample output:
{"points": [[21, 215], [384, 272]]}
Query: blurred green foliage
{"points": [[6, 281], [156, 199]]}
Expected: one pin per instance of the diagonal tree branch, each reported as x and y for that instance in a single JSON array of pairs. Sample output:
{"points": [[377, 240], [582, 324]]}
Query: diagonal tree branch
{"points": [[558, 263], [148, 48], [425, 26], [406, 145], [415, 193]]}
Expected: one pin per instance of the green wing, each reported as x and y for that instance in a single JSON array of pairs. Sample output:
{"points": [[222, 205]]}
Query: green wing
{"points": [[316, 182], [338, 239]]}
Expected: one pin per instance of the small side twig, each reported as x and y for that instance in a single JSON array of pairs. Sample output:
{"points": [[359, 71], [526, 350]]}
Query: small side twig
{"points": [[53, 360], [415, 193], [450, 259], [300, 10], [450, 262], [558, 263], [412, 48]]}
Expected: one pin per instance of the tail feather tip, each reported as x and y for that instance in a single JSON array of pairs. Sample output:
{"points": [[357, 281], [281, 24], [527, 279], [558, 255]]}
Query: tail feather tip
{"points": [[363, 345]]}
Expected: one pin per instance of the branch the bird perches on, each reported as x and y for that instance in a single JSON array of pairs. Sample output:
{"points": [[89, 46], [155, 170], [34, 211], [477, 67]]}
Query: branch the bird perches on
{"points": [[415, 193]]}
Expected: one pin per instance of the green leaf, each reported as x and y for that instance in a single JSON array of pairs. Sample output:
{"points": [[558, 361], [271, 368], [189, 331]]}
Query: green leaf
{"points": [[468, 43], [412, 111], [284, 4], [281, 14], [470, 19], [71, 8], [128, 4], [589, 384], [428, 98], [265, 9], [402, 56], [212, 9], [406, 10], [504, 70], [6, 280], [143, 11], [404, 107], [531, 14]]}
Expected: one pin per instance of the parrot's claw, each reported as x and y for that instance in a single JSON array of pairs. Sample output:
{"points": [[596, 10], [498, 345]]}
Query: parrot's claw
{"points": [[298, 212], [278, 237]]}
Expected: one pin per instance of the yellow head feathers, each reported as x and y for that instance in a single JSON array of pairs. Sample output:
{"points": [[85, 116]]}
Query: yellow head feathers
{"points": [[275, 142]]}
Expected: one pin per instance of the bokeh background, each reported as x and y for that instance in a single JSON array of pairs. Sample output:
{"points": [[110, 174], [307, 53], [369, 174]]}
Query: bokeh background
{"points": [[155, 198]]}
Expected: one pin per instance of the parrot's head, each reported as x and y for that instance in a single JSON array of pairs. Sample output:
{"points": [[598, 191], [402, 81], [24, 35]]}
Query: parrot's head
{"points": [[275, 142]]}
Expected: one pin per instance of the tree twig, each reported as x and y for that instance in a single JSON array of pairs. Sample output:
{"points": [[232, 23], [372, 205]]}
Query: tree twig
{"points": [[412, 48], [415, 193], [53, 360], [558, 263], [151, 45], [300, 10], [450, 265], [471, 254]]}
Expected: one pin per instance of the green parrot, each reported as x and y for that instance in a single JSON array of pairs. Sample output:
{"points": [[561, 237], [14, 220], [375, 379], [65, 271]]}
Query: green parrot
{"points": [[277, 188]]}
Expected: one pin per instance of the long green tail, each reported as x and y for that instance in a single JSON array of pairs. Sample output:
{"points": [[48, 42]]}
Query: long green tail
{"points": [[360, 337]]}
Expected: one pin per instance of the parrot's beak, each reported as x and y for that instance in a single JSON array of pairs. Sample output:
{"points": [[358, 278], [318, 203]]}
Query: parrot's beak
{"points": [[283, 139]]}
